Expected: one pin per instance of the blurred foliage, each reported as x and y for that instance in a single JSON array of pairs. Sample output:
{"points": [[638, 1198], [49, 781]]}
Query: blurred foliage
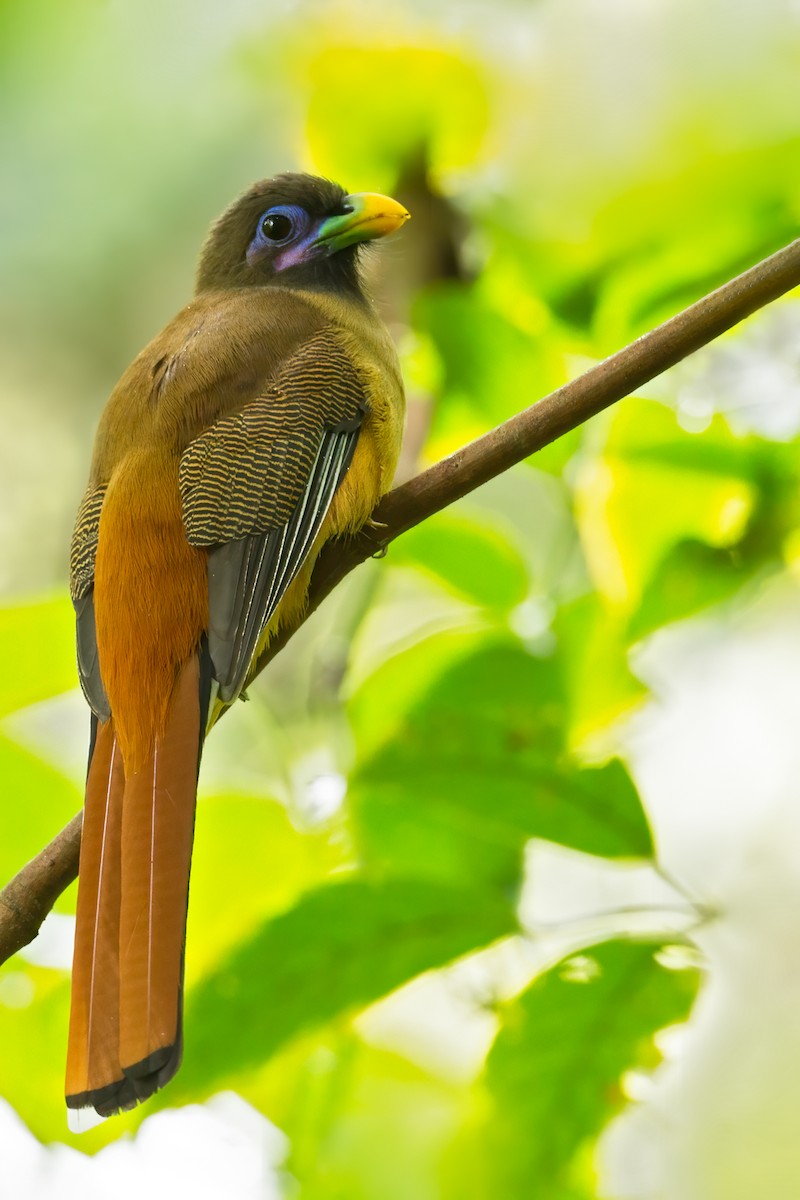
{"points": [[537, 1116], [466, 691]]}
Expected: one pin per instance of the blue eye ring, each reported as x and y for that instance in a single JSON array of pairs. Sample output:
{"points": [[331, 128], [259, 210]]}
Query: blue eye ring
{"points": [[283, 229], [281, 223]]}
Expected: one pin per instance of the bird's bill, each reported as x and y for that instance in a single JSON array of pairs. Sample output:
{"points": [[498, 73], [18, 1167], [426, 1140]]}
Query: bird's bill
{"points": [[369, 216]]}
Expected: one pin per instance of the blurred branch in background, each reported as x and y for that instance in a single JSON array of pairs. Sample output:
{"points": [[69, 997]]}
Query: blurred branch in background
{"points": [[25, 901], [432, 255]]}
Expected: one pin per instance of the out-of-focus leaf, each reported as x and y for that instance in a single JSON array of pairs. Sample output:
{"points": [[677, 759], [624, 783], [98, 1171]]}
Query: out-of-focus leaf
{"points": [[474, 559], [653, 486], [34, 1015], [247, 851], [478, 767], [37, 650], [39, 801], [446, 111], [486, 357], [710, 240], [553, 1077], [34, 1044], [673, 522], [339, 948], [691, 577], [593, 645], [379, 708], [341, 1102]]}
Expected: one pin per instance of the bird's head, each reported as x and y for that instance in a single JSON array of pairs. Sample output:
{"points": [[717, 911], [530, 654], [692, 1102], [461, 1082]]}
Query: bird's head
{"points": [[295, 230]]}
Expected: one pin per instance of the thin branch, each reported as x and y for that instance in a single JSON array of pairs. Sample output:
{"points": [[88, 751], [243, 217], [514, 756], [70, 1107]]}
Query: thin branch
{"points": [[28, 898], [25, 901], [549, 419]]}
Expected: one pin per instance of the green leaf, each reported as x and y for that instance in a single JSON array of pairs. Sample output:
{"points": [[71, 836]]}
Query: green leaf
{"points": [[34, 1017], [691, 577], [37, 650], [339, 948], [711, 240], [247, 847], [34, 1038], [379, 708], [39, 802], [593, 643], [478, 767], [474, 558], [487, 358], [342, 1101], [553, 1077], [652, 487], [445, 112]]}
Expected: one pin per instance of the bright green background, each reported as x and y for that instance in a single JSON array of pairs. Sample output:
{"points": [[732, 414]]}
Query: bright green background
{"points": [[611, 165]]}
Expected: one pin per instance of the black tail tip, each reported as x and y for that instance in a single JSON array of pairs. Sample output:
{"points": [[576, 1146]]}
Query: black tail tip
{"points": [[138, 1083]]}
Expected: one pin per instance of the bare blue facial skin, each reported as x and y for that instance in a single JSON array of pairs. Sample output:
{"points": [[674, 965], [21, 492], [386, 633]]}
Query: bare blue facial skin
{"points": [[286, 232]]}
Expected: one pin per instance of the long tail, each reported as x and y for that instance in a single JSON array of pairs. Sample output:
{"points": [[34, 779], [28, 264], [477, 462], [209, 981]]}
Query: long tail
{"points": [[125, 1035]]}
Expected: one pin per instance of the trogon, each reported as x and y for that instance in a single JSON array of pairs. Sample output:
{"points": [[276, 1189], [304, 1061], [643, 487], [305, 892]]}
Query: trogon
{"points": [[263, 420]]}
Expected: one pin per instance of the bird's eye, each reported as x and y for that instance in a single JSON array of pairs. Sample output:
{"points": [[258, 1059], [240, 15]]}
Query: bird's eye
{"points": [[276, 227], [280, 228]]}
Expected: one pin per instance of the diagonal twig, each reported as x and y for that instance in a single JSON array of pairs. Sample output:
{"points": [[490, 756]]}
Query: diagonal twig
{"points": [[26, 900]]}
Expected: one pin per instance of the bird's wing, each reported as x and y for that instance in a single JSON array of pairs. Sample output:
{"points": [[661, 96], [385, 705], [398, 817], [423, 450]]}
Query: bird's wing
{"points": [[255, 489], [81, 581]]}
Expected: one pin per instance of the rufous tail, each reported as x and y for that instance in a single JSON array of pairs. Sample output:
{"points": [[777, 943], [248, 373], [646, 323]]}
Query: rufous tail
{"points": [[125, 1037]]}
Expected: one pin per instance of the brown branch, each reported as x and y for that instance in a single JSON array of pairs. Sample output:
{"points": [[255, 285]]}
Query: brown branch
{"points": [[549, 419], [25, 901], [28, 898]]}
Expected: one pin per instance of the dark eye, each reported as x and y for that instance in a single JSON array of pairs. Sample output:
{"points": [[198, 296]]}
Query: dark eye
{"points": [[276, 227]]}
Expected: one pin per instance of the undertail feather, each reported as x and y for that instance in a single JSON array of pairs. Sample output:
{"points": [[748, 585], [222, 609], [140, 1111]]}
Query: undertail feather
{"points": [[93, 1064], [153, 828]]}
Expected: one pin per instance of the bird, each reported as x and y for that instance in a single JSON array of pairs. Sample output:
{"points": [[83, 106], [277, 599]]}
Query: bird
{"points": [[264, 419]]}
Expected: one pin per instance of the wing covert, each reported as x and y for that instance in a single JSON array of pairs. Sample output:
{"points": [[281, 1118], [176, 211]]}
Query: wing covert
{"points": [[256, 487]]}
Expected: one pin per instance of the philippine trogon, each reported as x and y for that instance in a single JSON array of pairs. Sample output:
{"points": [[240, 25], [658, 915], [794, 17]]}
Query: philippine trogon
{"points": [[263, 420]]}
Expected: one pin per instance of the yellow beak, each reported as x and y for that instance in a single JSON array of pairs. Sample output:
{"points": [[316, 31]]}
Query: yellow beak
{"points": [[369, 215]]}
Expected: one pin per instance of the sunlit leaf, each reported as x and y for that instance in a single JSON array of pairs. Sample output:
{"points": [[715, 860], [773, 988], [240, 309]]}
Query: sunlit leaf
{"points": [[691, 577], [39, 801], [37, 650], [711, 239], [473, 558], [554, 1075], [486, 356], [341, 1102], [653, 486], [358, 131], [379, 708], [339, 948], [478, 767], [249, 844], [593, 644], [34, 1015]]}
